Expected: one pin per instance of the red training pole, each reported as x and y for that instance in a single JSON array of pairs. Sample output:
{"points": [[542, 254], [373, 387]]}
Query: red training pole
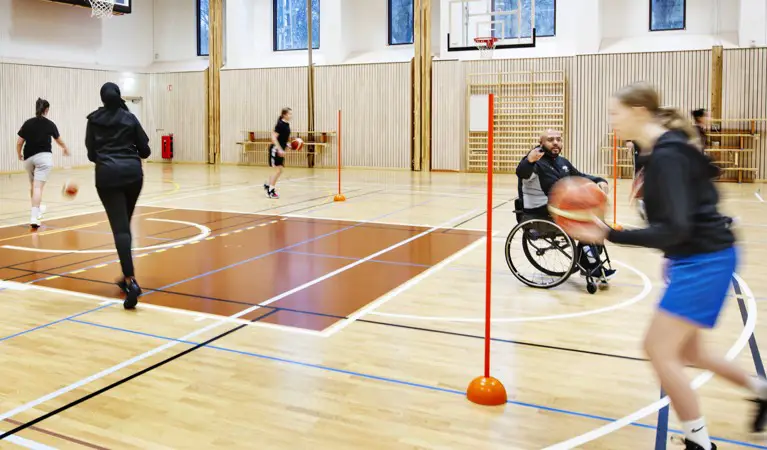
{"points": [[615, 179], [487, 390], [339, 197], [489, 250]]}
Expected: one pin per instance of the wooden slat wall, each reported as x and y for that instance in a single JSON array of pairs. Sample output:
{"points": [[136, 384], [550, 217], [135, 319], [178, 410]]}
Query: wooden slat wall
{"points": [[73, 94], [253, 98], [681, 77], [449, 88], [449, 116], [376, 104], [745, 94], [181, 111]]}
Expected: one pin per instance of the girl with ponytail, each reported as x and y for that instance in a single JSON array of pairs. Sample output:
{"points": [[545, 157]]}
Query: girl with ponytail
{"points": [[681, 205], [34, 148]]}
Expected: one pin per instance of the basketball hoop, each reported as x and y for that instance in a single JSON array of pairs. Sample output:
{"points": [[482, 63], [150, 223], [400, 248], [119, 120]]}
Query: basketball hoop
{"points": [[485, 45], [102, 9]]}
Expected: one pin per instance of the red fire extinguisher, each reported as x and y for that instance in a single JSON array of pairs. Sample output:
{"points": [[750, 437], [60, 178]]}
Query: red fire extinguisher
{"points": [[167, 147]]}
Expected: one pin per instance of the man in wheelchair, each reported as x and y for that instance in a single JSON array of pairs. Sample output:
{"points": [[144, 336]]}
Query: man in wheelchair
{"points": [[537, 174]]}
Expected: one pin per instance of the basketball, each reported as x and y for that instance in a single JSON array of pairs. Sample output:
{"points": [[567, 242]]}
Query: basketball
{"points": [[576, 201], [297, 144], [70, 189]]}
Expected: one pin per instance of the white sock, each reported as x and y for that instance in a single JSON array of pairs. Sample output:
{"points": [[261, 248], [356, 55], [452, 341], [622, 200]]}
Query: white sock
{"points": [[696, 431], [35, 214], [759, 386]]}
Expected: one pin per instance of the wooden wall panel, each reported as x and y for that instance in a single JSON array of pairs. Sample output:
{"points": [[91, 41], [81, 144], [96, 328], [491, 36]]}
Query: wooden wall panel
{"points": [[376, 104], [177, 104], [73, 94], [745, 94], [448, 116], [252, 99]]}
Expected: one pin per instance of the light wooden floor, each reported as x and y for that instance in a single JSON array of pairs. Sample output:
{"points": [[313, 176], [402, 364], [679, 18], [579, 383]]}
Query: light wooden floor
{"points": [[388, 377]]}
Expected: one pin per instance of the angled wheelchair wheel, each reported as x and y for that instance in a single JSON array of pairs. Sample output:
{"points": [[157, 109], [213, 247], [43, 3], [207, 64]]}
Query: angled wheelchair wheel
{"points": [[540, 254]]}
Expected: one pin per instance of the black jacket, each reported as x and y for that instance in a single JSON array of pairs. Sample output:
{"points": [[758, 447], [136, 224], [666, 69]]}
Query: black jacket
{"points": [[536, 180], [116, 142], [680, 202]]}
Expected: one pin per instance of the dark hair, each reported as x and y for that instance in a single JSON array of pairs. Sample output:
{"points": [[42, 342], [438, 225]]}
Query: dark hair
{"points": [[643, 95], [698, 114], [284, 112], [41, 106]]}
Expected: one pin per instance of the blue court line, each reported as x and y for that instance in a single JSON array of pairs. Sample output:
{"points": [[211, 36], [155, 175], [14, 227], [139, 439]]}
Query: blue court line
{"points": [[389, 380], [661, 434], [264, 255], [53, 323]]}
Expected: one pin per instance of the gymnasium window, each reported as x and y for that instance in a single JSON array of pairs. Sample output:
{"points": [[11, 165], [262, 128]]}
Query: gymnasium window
{"points": [[202, 27], [545, 18], [667, 15], [290, 31], [400, 22]]}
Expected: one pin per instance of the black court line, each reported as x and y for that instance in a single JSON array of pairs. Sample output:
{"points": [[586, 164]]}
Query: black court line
{"points": [[373, 322], [480, 214], [758, 364], [117, 383]]}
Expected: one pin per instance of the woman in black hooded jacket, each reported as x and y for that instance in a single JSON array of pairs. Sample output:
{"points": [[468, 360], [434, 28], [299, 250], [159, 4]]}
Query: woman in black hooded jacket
{"points": [[116, 143]]}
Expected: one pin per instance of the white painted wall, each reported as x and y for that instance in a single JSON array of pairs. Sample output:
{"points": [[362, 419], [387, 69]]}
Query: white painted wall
{"points": [[625, 26], [39, 32], [753, 23]]}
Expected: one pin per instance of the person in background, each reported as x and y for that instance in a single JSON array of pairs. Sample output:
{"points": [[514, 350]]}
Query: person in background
{"points": [[34, 148], [700, 117], [117, 143], [280, 139]]}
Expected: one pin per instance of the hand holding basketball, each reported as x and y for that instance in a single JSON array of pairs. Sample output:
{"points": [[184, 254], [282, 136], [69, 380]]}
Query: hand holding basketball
{"points": [[296, 144]]}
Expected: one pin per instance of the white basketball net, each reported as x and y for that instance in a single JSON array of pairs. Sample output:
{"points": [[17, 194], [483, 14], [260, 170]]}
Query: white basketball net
{"points": [[102, 9], [486, 47]]}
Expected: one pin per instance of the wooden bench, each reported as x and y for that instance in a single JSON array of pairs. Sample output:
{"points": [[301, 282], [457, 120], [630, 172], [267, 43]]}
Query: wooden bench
{"points": [[315, 143]]}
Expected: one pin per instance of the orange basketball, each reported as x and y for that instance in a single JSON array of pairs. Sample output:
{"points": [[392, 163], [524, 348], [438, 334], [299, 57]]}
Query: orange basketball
{"points": [[576, 201], [297, 144], [70, 189]]}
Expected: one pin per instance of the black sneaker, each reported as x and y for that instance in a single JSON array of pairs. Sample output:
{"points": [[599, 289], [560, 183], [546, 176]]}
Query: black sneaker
{"points": [[690, 445], [609, 273], [272, 194], [132, 293], [761, 416]]}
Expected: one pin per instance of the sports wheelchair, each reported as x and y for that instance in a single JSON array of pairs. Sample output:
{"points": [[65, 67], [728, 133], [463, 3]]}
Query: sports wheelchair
{"points": [[552, 254]]}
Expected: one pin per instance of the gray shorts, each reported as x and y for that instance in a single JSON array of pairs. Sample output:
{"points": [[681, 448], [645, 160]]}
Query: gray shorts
{"points": [[39, 166]]}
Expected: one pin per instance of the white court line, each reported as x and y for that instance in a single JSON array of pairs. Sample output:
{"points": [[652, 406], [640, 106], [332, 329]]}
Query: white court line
{"points": [[759, 196], [340, 325], [34, 403], [635, 299], [26, 443], [204, 232], [699, 381], [182, 312]]}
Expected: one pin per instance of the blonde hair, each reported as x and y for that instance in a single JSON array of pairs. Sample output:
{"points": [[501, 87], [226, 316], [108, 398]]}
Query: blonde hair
{"points": [[644, 95]]}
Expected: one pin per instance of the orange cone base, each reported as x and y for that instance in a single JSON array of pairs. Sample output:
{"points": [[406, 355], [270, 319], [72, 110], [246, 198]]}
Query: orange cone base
{"points": [[487, 392], [339, 198]]}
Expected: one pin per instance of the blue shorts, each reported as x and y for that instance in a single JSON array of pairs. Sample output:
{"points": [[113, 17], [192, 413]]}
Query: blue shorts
{"points": [[698, 286]]}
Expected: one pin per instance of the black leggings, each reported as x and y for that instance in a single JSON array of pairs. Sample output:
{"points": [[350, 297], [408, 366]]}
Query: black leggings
{"points": [[119, 204]]}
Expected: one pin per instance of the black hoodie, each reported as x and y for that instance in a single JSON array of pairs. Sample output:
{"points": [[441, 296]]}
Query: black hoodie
{"points": [[116, 142], [680, 201]]}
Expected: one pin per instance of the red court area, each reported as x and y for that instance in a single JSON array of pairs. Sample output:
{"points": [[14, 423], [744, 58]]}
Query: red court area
{"points": [[309, 272]]}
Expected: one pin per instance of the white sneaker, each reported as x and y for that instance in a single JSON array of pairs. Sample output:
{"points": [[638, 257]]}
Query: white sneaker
{"points": [[43, 208]]}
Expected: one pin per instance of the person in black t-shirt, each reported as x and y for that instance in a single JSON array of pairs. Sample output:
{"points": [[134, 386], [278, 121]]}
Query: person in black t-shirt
{"points": [[34, 148], [280, 139], [681, 203], [117, 143]]}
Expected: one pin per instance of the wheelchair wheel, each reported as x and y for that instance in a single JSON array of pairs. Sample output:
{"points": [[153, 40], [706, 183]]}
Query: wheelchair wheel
{"points": [[547, 254]]}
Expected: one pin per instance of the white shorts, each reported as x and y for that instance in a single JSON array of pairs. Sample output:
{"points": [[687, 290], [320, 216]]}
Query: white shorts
{"points": [[39, 166]]}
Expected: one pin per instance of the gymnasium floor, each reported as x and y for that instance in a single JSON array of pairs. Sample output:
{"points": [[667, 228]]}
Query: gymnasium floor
{"points": [[303, 323]]}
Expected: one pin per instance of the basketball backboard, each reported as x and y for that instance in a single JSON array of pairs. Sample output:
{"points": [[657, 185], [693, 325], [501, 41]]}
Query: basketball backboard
{"points": [[512, 22], [121, 6]]}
